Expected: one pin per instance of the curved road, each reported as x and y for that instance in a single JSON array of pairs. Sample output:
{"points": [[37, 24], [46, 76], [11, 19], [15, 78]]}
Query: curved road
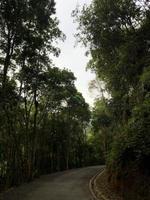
{"points": [[68, 185]]}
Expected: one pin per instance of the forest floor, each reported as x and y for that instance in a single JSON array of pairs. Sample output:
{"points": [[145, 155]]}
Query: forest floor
{"points": [[102, 188], [68, 185]]}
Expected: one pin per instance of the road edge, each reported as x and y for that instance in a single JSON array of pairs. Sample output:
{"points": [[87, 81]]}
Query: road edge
{"points": [[96, 194]]}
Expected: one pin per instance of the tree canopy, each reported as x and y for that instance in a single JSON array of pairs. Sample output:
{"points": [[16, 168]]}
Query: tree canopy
{"points": [[43, 117], [117, 35]]}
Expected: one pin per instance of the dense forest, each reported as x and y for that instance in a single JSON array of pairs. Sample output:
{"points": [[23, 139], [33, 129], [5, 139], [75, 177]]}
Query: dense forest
{"points": [[46, 124], [117, 35], [43, 118]]}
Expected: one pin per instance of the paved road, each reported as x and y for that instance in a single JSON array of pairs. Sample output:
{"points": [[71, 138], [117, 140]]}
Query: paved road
{"points": [[68, 185]]}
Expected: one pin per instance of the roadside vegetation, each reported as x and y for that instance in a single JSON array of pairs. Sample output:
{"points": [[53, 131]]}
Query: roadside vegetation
{"points": [[43, 118], [117, 35], [45, 123]]}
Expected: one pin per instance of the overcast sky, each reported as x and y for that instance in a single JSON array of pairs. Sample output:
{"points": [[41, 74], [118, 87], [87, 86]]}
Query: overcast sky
{"points": [[73, 58]]}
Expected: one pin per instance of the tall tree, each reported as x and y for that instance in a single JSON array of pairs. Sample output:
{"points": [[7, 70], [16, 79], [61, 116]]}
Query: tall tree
{"points": [[117, 34]]}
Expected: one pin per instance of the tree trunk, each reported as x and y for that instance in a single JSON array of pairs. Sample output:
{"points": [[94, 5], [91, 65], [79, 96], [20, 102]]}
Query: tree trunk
{"points": [[9, 52]]}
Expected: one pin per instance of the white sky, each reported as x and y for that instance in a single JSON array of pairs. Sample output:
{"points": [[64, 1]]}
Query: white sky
{"points": [[73, 58]]}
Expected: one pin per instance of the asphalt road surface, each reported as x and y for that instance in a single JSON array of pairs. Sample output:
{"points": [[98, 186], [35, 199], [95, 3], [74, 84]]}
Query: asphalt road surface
{"points": [[68, 185]]}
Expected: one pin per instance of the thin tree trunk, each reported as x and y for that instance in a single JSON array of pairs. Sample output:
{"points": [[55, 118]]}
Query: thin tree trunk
{"points": [[9, 52], [34, 132]]}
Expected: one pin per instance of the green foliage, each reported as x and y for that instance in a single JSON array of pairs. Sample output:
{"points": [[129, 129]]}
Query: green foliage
{"points": [[118, 34], [43, 117], [101, 125]]}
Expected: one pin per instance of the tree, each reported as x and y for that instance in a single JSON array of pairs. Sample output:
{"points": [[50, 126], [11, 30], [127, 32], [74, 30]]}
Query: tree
{"points": [[28, 30], [101, 122], [117, 34]]}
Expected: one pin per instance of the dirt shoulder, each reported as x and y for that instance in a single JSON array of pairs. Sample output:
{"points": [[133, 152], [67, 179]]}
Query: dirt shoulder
{"points": [[102, 189]]}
